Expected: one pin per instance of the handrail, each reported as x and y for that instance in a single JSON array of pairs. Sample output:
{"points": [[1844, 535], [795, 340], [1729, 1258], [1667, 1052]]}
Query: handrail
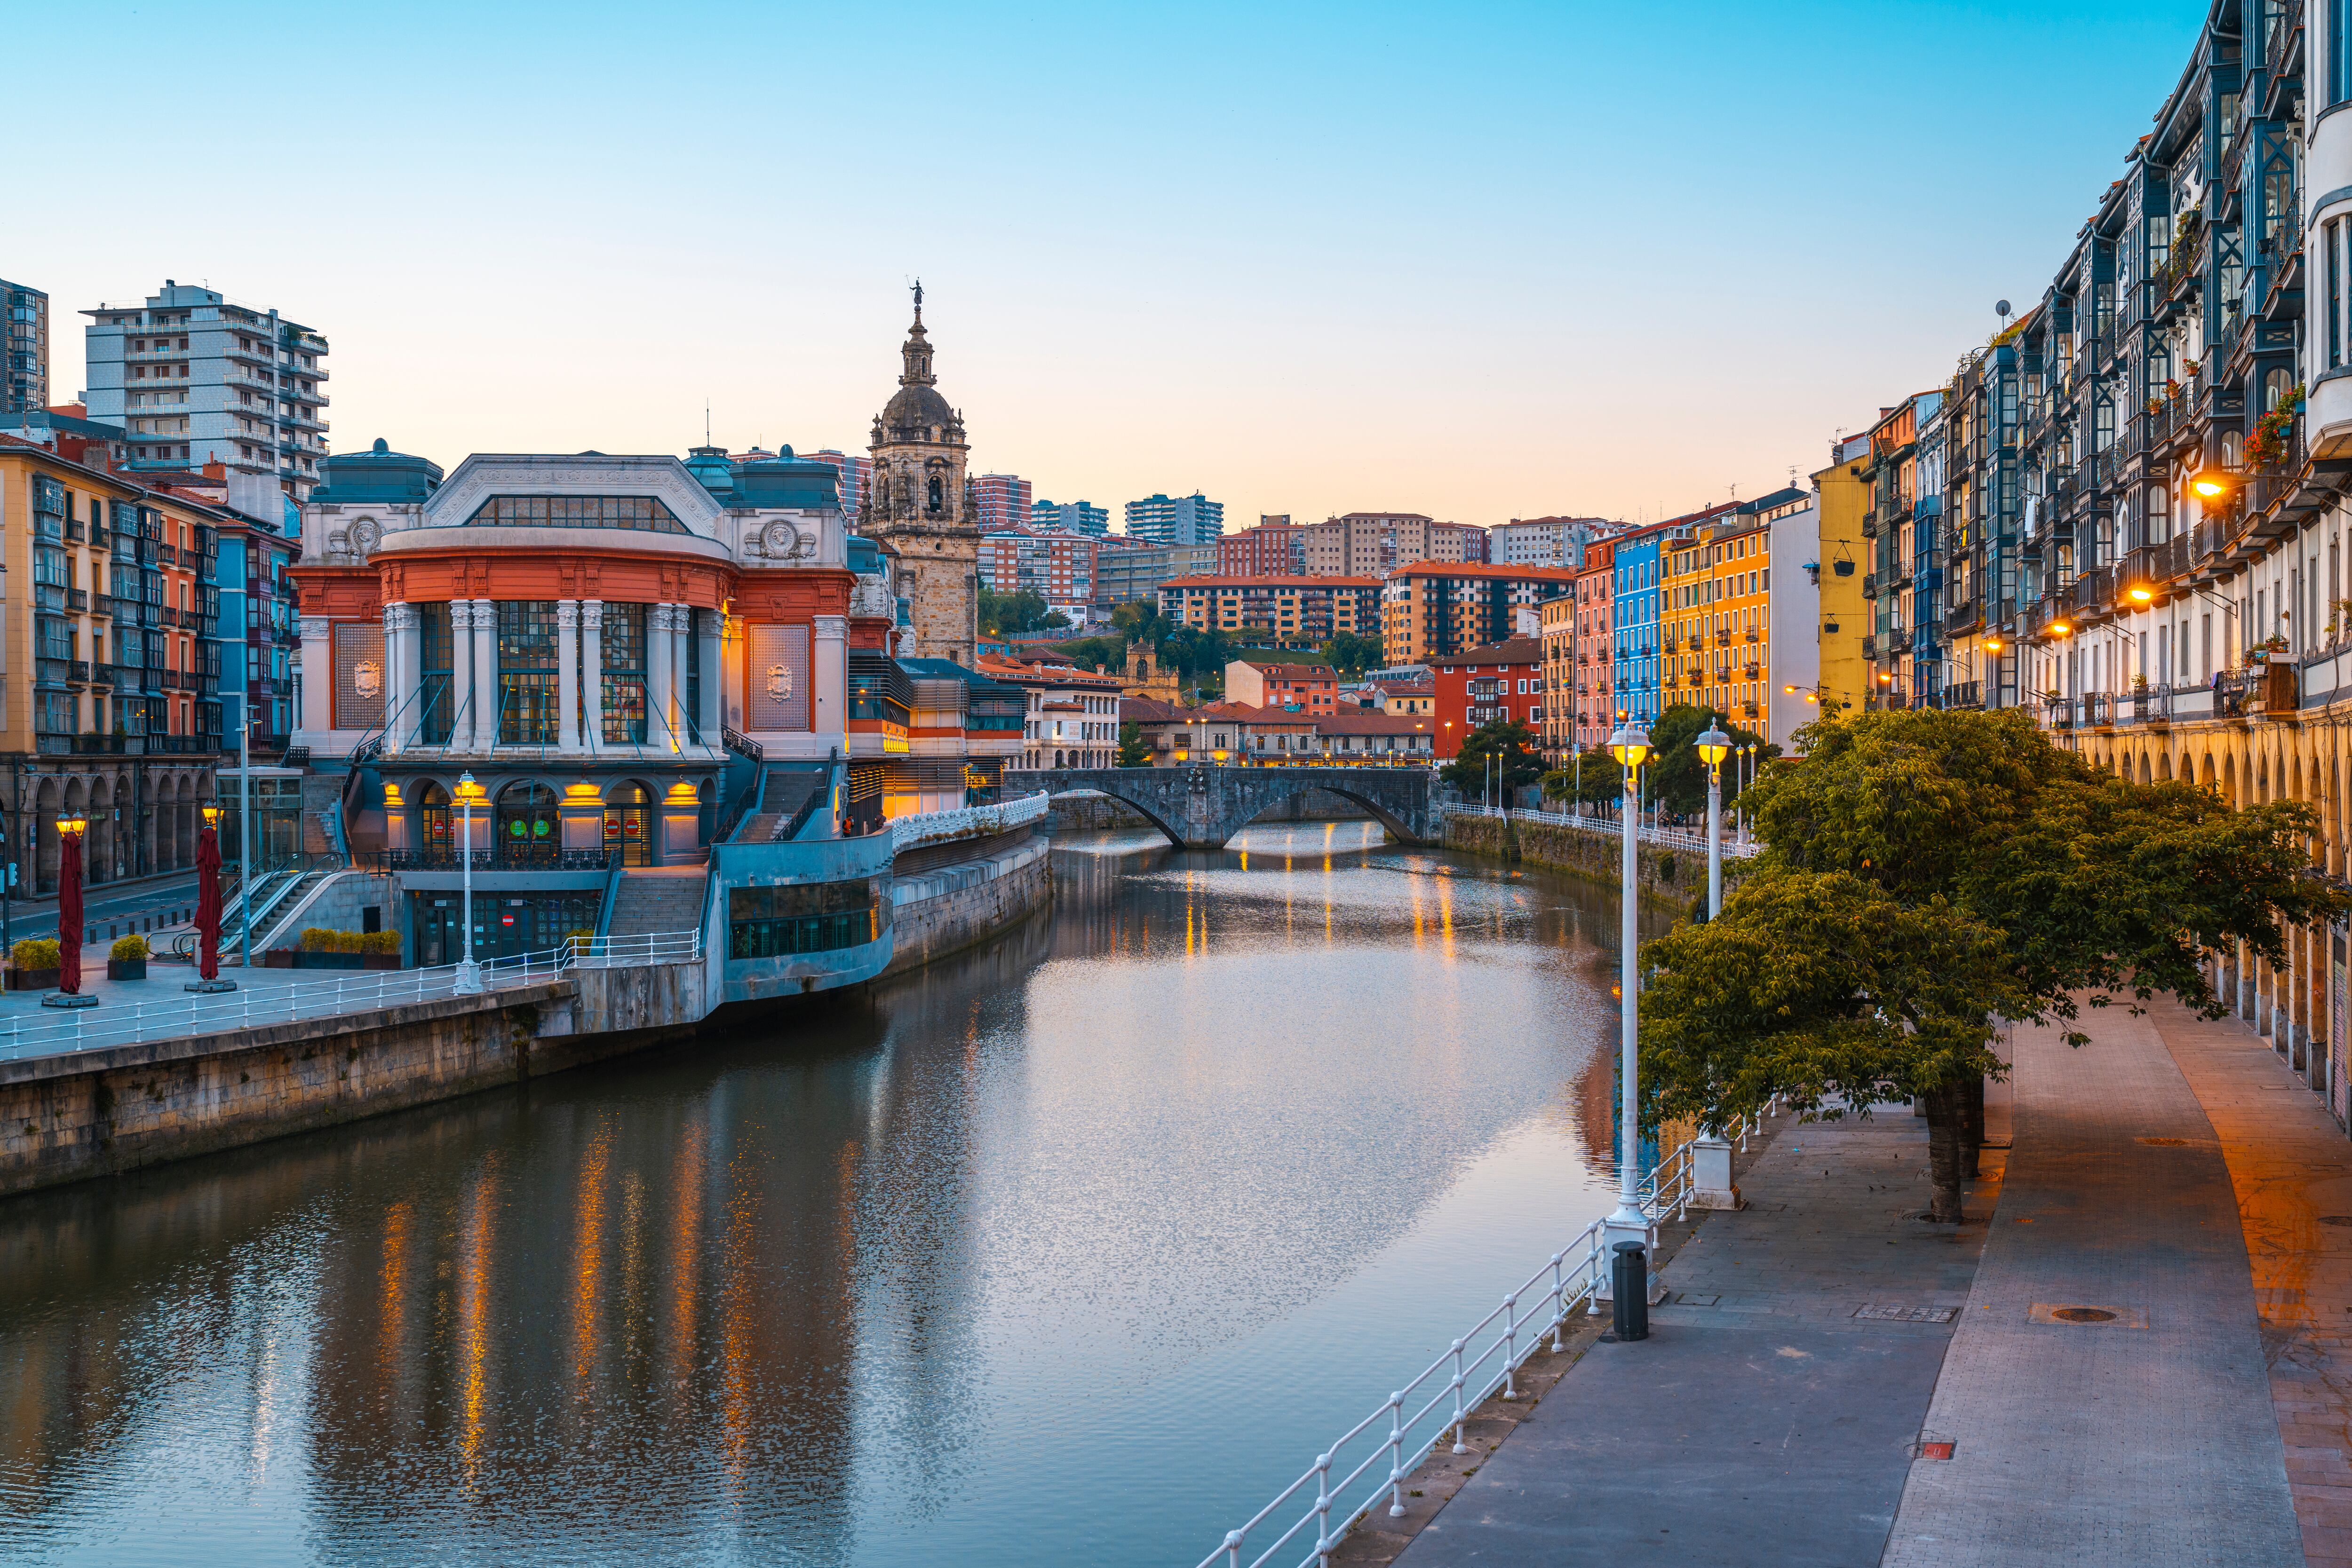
{"points": [[966, 821], [1675, 837], [1402, 1433], [257, 1006]]}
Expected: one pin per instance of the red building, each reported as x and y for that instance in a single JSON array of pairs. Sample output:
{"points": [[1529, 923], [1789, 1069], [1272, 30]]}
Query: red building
{"points": [[1273, 548], [1501, 681], [1595, 697]]}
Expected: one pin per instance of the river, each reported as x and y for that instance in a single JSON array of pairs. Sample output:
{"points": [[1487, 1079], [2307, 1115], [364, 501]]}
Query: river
{"points": [[1066, 1250]]}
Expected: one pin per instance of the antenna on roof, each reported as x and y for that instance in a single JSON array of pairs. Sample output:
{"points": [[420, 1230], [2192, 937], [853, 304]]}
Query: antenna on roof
{"points": [[705, 422]]}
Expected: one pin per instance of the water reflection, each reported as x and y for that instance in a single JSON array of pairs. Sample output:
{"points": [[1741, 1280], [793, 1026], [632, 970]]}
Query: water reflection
{"points": [[1015, 1260]]}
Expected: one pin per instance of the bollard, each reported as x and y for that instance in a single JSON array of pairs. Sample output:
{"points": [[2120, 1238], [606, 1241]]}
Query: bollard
{"points": [[1629, 1284]]}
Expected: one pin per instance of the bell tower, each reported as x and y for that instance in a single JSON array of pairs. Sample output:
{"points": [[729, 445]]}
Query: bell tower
{"points": [[920, 503]]}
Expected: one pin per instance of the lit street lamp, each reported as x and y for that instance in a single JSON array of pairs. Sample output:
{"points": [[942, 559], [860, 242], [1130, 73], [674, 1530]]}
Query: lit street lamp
{"points": [[1713, 745], [469, 974], [1630, 745]]}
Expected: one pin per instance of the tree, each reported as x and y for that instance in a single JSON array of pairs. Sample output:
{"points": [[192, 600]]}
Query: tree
{"points": [[1350, 654], [1134, 751], [1820, 986], [1010, 614], [1474, 768], [1597, 778], [1677, 778], [1085, 652], [2096, 889]]}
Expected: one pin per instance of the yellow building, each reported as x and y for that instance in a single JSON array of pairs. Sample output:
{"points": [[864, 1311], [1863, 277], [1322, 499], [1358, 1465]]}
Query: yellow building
{"points": [[1845, 501]]}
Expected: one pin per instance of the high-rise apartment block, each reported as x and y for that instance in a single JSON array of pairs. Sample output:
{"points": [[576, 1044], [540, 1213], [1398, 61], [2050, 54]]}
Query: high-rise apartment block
{"points": [[1071, 516], [1124, 572], [193, 379], [1373, 544], [853, 471], [1054, 564], [1543, 541], [24, 349], [1193, 519], [1004, 501], [1273, 548]]}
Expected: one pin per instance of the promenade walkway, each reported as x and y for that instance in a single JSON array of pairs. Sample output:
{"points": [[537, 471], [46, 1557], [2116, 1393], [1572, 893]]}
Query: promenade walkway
{"points": [[2149, 1356]]}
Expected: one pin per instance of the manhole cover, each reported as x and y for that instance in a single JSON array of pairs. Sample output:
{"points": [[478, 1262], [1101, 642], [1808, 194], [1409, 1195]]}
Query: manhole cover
{"points": [[1935, 1450], [2166, 1142], [2084, 1315], [2336, 1219]]}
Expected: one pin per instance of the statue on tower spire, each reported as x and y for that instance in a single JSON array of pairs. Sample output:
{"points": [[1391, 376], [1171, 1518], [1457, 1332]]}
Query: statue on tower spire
{"points": [[919, 302]]}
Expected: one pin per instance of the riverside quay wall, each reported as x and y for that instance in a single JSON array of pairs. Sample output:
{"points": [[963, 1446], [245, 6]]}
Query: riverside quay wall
{"points": [[1666, 870], [73, 1115]]}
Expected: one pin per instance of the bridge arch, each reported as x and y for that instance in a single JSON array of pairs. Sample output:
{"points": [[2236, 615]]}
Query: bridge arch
{"points": [[1202, 807]]}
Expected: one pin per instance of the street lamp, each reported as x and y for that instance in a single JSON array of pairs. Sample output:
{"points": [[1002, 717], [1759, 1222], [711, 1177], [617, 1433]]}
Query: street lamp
{"points": [[469, 974], [1629, 745], [1713, 745]]}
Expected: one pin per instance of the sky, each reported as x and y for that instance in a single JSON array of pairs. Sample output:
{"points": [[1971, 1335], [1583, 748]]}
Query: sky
{"points": [[1480, 261]]}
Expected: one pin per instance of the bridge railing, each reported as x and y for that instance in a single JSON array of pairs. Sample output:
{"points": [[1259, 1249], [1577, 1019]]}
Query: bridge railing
{"points": [[1371, 1460], [966, 821]]}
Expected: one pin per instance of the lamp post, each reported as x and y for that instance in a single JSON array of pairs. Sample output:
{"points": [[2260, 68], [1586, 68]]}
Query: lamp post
{"points": [[1630, 745], [1713, 746], [209, 908], [245, 827], [469, 974], [69, 993]]}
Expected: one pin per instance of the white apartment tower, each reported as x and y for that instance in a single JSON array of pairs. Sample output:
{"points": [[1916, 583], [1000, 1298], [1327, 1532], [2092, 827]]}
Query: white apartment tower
{"points": [[193, 379]]}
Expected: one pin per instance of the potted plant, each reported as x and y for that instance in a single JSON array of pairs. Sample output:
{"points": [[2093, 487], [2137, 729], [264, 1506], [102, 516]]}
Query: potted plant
{"points": [[127, 959], [2139, 683], [33, 964], [279, 959], [323, 949], [379, 949]]}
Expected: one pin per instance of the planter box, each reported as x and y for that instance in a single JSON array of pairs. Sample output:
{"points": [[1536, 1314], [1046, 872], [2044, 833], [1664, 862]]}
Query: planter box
{"points": [[328, 960], [32, 979], [381, 960], [126, 968], [279, 959]]}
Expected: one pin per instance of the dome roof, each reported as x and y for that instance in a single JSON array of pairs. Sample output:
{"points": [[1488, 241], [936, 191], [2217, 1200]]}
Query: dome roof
{"points": [[919, 407]]}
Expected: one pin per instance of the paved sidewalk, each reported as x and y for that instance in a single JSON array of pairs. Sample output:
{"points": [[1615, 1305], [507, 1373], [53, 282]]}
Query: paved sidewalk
{"points": [[2143, 1437], [2291, 1171], [1763, 1421]]}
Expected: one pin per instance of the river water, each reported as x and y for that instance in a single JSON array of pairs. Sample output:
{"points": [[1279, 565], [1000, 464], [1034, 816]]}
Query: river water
{"points": [[1069, 1250]]}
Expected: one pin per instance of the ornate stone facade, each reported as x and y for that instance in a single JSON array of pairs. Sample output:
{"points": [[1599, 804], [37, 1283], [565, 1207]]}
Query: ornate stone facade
{"points": [[920, 507]]}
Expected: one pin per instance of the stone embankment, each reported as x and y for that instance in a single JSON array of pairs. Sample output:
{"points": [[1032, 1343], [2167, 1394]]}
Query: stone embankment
{"points": [[1666, 870]]}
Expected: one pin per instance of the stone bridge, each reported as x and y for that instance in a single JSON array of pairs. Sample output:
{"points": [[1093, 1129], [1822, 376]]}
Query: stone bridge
{"points": [[1202, 806]]}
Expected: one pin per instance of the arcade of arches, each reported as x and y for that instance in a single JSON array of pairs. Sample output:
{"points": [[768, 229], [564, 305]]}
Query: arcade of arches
{"points": [[141, 822], [2309, 762]]}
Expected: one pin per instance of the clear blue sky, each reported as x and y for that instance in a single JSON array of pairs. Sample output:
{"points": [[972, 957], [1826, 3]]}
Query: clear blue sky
{"points": [[1477, 261]]}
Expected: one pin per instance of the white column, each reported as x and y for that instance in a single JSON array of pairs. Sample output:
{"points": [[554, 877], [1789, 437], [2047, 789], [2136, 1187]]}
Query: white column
{"points": [[714, 678], [681, 628], [319, 669], [591, 672], [399, 676], [829, 672], [567, 674], [460, 697], [657, 677], [485, 675]]}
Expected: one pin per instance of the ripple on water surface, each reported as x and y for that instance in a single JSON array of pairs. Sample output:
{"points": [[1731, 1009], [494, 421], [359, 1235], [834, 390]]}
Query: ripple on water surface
{"points": [[1069, 1249]]}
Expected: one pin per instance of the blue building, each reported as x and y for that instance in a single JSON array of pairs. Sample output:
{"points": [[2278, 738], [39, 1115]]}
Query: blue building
{"points": [[1634, 614]]}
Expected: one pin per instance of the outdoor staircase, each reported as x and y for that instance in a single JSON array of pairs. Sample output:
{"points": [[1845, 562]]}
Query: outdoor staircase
{"points": [[785, 801], [659, 899]]}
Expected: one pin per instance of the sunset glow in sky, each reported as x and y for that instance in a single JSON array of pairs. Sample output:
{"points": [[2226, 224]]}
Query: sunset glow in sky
{"points": [[1478, 261]]}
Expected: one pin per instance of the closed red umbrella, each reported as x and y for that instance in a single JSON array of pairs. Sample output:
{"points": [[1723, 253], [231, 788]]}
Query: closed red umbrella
{"points": [[70, 913], [209, 908]]}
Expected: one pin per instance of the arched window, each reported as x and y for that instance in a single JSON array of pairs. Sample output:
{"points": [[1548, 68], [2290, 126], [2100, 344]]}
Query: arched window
{"points": [[432, 817], [628, 824], [526, 824]]}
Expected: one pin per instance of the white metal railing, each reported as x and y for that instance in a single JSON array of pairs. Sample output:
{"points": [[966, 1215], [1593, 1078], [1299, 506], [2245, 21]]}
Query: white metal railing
{"points": [[1340, 1489], [628, 952], [965, 823], [251, 1005], [1735, 843]]}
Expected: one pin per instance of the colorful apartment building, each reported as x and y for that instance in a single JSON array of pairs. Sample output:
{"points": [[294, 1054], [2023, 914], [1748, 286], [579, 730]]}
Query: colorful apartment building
{"points": [[1432, 610], [1311, 688], [1594, 711], [1502, 682], [1273, 548]]}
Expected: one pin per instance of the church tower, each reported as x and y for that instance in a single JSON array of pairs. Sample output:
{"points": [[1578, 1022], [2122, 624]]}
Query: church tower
{"points": [[918, 503]]}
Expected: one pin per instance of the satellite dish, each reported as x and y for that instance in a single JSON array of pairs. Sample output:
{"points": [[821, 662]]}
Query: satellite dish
{"points": [[2001, 308]]}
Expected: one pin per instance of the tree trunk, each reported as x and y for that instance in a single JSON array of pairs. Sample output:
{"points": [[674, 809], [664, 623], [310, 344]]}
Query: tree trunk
{"points": [[1971, 1126], [1944, 1134]]}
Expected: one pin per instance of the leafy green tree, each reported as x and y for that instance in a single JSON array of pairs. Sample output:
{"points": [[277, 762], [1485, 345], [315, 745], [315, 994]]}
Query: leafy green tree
{"points": [[2094, 889], [1676, 777], [1139, 621], [1011, 614], [1134, 751], [1350, 654], [1474, 768], [1814, 987], [1599, 781], [1085, 652]]}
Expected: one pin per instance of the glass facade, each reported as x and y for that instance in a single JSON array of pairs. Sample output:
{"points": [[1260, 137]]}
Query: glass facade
{"points": [[527, 673], [641, 512], [433, 668], [810, 917], [624, 641]]}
